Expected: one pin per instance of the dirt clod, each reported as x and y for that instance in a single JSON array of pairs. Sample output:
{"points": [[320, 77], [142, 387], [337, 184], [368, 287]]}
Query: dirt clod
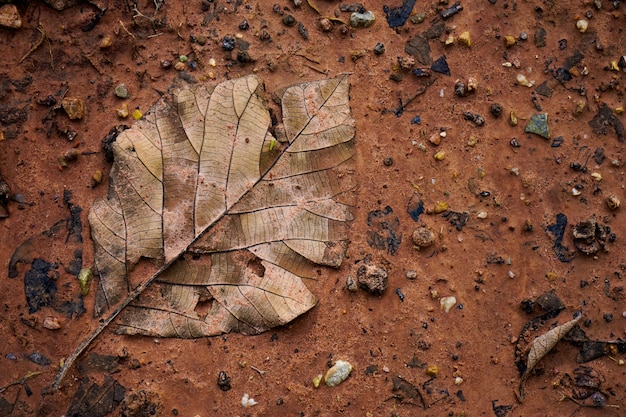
{"points": [[372, 279]]}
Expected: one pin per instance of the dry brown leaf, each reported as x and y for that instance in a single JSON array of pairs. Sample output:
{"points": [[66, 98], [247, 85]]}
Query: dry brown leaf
{"points": [[234, 217], [544, 344]]}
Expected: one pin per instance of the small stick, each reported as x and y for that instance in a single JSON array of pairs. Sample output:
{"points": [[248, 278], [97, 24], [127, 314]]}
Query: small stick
{"points": [[126, 30], [36, 45], [23, 379], [258, 370], [321, 71]]}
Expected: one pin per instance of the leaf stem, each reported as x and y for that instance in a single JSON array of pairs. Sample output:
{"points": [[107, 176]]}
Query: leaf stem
{"points": [[103, 325]]}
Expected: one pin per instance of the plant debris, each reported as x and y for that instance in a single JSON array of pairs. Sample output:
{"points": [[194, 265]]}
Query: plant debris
{"points": [[383, 233], [407, 393], [557, 230], [397, 16], [541, 345], [605, 118]]}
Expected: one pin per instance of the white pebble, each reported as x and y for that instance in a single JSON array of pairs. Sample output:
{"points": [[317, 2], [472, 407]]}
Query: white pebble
{"points": [[511, 274], [576, 191], [338, 373], [482, 215], [246, 401], [441, 93], [582, 25], [447, 303], [522, 80], [458, 380]]}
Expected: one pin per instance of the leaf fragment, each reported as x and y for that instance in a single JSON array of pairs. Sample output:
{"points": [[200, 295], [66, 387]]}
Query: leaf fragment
{"points": [[544, 344]]}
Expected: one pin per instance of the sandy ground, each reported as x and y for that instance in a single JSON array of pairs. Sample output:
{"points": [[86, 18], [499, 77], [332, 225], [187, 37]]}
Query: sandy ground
{"points": [[506, 181]]}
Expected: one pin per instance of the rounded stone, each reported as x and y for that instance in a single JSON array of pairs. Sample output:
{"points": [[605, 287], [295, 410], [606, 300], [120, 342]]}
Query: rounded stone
{"points": [[423, 237], [362, 20]]}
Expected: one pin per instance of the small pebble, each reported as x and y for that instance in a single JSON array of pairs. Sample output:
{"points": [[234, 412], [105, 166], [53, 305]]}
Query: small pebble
{"points": [[412, 274], [74, 107], [432, 370], [351, 284], [440, 156], [51, 323], [612, 202], [495, 109], [325, 25], [447, 303], [423, 237], [122, 111], [289, 20], [418, 18], [522, 80], [379, 49], [38, 359], [464, 38], [509, 41], [388, 161], [523, 36], [362, 20], [228, 43], [338, 373], [71, 155], [582, 25], [10, 17], [96, 178], [244, 25], [246, 401]]}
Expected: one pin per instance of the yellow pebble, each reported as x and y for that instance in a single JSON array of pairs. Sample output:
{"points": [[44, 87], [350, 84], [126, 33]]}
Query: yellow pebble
{"points": [[137, 114], [122, 112], [432, 370], [509, 41], [440, 207], [440, 156], [465, 39]]}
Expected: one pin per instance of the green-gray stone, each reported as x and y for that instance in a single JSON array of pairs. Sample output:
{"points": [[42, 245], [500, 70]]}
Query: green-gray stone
{"points": [[418, 18], [121, 91], [538, 124], [362, 20]]}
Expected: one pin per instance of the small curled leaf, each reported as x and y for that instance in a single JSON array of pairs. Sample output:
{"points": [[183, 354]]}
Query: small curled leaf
{"points": [[544, 344]]}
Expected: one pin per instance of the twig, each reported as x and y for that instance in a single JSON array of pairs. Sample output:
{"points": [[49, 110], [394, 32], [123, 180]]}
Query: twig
{"points": [[403, 106], [258, 370], [126, 30], [23, 379], [36, 45], [178, 31], [321, 71], [308, 58], [103, 325]]}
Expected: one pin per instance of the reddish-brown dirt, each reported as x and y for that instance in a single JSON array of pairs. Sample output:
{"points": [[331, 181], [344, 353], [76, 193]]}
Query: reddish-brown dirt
{"points": [[382, 336]]}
